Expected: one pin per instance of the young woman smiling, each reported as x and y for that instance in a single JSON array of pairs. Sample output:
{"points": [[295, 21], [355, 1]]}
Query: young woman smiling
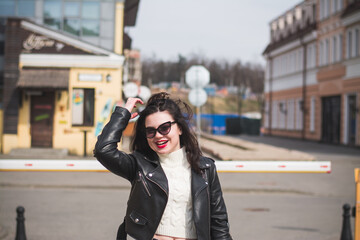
{"points": [[175, 191]]}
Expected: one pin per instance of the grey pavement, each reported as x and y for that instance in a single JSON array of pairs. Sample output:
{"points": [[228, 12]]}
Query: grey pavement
{"points": [[90, 205]]}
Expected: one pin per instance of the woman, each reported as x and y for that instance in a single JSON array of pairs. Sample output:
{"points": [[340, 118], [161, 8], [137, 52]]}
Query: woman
{"points": [[175, 191]]}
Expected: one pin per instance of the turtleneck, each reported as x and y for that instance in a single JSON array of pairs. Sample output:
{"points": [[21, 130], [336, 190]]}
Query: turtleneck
{"points": [[174, 159], [177, 219]]}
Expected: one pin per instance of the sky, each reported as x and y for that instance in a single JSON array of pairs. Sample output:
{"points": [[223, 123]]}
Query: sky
{"points": [[217, 29]]}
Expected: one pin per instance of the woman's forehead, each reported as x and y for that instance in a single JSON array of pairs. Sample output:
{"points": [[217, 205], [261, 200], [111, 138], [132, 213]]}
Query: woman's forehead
{"points": [[158, 118]]}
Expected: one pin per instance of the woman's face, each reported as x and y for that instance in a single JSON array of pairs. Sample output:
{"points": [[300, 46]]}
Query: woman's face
{"points": [[167, 143]]}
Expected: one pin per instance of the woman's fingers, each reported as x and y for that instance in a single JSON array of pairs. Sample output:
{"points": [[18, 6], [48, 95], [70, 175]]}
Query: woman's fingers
{"points": [[134, 115], [131, 103]]}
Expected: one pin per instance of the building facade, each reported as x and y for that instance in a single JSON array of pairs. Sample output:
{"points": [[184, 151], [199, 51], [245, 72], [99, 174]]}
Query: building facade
{"points": [[312, 83], [59, 88]]}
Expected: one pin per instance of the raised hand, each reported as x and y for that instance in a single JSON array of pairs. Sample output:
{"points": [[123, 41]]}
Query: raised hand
{"points": [[131, 104]]}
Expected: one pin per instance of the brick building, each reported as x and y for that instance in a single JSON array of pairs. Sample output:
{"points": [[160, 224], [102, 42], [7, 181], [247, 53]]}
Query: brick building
{"points": [[312, 84]]}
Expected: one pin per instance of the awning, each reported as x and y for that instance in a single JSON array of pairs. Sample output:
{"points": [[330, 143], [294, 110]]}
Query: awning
{"points": [[44, 78]]}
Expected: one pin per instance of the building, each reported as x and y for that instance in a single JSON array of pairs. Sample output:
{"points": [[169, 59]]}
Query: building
{"points": [[312, 83], [59, 87], [132, 66]]}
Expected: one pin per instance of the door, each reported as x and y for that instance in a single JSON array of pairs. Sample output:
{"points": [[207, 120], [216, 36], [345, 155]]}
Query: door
{"points": [[351, 119], [42, 115], [331, 119]]}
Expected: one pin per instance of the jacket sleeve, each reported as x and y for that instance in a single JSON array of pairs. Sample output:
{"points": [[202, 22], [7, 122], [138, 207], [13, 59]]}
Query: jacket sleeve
{"points": [[219, 225], [106, 150]]}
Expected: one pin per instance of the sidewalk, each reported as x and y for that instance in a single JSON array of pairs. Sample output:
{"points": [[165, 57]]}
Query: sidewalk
{"points": [[219, 147], [231, 148]]}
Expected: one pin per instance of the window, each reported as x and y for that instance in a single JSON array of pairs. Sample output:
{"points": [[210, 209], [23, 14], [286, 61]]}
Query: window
{"points": [[327, 8], [290, 114], [340, 55], [334, 50], [340, 5], [90, 28], [312, 114], [282, 114], [321, 6], [299, 114], [83, 107], [75, 17], [266, 115], [349, 44], [71, 17], [308, 56], [52, 14], [321, 50], [356, 41], [326, 52], [90, 14], [274, 115], [26, 8], [7, 8], [334, 6]]}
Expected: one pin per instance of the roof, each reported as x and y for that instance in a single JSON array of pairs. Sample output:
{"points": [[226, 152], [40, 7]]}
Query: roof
{"points": [[131, 9], [351, 9], [44, 78], [272, 46]]}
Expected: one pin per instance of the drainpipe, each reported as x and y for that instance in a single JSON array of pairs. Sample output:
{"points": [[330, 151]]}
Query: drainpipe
{"points": [[304, 110], [270, 93]]}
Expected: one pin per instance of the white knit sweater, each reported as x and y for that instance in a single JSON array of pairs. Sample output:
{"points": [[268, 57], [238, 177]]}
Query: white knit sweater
{"points": [[177, 220]]}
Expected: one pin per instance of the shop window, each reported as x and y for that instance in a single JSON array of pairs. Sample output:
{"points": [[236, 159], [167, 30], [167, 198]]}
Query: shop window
{"points": [[83, 107]]}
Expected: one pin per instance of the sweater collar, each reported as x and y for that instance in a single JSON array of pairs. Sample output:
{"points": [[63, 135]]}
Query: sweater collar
{"points": [[173, 159]]}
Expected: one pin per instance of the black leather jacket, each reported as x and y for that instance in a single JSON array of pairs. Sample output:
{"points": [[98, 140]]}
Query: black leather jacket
{"points": [[149, 191]]}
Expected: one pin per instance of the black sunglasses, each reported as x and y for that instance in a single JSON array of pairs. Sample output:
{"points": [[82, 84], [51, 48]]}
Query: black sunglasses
{"points": [[163, 129]]}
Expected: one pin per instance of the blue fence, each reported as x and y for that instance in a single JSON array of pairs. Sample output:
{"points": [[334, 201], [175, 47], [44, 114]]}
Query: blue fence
{"points": [[221, 124], [215, 123]]}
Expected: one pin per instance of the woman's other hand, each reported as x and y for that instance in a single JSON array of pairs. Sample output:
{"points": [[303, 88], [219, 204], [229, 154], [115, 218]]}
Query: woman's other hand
{"points": [[131, 104]]}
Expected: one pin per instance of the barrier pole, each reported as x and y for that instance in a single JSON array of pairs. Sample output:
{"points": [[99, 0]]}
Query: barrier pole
{"points": [[357, 204]]}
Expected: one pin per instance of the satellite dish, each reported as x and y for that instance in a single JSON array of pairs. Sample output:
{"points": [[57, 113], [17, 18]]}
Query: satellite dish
{"points": [[131, 90], [145, 93], [197, 76], [197, 97]]}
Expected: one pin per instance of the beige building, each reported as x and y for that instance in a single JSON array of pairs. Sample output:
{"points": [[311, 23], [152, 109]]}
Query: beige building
{"points": [[59, 89], [312, 85]]}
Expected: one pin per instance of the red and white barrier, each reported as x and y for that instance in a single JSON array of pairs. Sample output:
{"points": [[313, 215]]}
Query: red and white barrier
{"points": [[222, 166], [274, 166]]}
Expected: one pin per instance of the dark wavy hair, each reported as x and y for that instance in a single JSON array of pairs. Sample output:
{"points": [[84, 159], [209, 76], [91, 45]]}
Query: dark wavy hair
{"points": [[161, 102]]}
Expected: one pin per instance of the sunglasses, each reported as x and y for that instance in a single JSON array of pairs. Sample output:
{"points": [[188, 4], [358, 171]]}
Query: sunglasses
{"points": [[163, 129]]}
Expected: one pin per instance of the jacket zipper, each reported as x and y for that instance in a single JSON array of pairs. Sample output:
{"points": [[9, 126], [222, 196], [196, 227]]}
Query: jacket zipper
{"points": [[144, 184], [159, 186], [208, 195]]}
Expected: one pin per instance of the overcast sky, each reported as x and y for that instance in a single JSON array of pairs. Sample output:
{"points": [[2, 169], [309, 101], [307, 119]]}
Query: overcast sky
{"points": [[225, 29]]}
